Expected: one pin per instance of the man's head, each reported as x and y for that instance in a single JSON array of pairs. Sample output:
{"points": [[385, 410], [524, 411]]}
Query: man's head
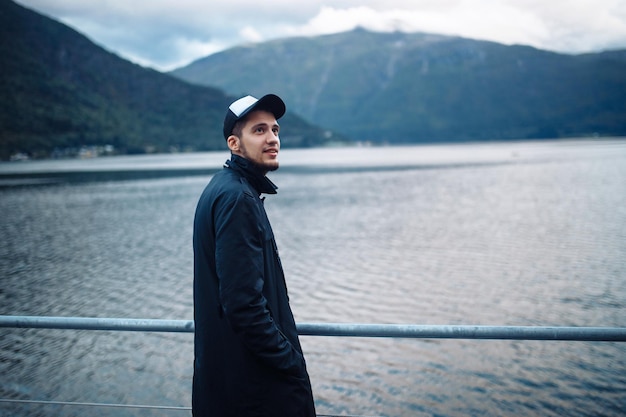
{"points": [[251, 129]]}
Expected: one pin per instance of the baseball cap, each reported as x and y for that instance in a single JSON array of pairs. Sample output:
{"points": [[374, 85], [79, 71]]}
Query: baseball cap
{"points": [[240, 108]]}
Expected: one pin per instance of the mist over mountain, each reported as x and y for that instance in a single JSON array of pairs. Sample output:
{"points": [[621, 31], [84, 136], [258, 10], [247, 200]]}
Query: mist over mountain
{"points": [[59, 92], [409, 88]]}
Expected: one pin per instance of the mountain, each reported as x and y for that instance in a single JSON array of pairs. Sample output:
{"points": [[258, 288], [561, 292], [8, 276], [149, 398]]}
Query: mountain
{"points": [[399, 87], [60, 91]]}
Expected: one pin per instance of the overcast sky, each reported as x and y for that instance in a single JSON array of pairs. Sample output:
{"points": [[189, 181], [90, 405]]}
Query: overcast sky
{"points": [[166, 34]]}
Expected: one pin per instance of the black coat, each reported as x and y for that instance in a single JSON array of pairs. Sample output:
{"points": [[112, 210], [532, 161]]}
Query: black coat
{"points": [[248, 359]]}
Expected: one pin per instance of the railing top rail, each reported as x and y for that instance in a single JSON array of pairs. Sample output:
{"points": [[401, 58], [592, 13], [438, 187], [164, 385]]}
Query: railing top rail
{"points": [[598, 334]]}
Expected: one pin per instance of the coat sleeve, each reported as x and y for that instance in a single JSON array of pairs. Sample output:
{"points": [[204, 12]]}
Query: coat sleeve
{"points": [[240, 269]]}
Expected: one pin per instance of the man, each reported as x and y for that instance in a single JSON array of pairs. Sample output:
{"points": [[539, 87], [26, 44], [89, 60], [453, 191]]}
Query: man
{"points": [[248, 359]]}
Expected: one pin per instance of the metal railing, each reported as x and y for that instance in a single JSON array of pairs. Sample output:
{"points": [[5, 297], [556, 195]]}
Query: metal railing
{"points": [[593, 334]]}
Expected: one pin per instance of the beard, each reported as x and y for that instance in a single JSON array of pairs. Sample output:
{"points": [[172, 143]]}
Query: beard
{"points": [[261, 166], [271, 167], [265, 166]]}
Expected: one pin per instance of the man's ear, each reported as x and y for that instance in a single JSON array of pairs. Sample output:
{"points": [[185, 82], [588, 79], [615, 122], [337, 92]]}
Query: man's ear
{"points": [[233, 143]]}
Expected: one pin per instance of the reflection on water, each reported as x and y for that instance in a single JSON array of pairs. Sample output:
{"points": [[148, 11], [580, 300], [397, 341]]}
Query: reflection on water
{"points": [[500, 234]]}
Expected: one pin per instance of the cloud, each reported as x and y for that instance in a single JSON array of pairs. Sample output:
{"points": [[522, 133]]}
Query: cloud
{"points": [[573, 26], [461, 19], [250, 34], [167, 34]]}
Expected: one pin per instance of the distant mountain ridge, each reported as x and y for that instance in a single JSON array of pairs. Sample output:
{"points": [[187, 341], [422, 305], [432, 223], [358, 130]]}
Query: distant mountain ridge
{"points": [[60, 91], [399, 87]]}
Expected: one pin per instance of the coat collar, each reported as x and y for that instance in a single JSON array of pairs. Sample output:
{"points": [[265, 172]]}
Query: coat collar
{"points": [[249, 171]]}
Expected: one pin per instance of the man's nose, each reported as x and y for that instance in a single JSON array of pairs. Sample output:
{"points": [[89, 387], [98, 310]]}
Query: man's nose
{"points": [[272, 137]]}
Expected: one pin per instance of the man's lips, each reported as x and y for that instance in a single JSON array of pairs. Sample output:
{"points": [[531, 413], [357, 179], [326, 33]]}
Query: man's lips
{"points": [[272, 151]]}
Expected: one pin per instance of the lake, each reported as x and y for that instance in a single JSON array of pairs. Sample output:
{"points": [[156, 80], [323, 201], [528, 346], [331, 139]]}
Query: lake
{"points": [[503, 233]]}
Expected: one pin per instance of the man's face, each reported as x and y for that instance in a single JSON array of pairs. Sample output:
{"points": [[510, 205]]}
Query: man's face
{"points": [[259, 142]]}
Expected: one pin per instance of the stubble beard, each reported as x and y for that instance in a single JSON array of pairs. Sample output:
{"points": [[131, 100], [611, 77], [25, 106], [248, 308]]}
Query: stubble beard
{"points": [[271, 167], [264, 167]]}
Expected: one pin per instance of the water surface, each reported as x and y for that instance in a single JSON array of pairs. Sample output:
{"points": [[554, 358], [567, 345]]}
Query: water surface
{"points": [[522, 233]]}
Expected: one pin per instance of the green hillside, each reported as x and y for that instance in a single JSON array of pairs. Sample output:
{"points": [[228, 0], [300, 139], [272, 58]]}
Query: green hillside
{"points": [[397, 87], [59, 92]]}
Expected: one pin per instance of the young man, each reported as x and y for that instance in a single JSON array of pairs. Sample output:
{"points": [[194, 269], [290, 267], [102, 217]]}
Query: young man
{"points": [[248, 359]]}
